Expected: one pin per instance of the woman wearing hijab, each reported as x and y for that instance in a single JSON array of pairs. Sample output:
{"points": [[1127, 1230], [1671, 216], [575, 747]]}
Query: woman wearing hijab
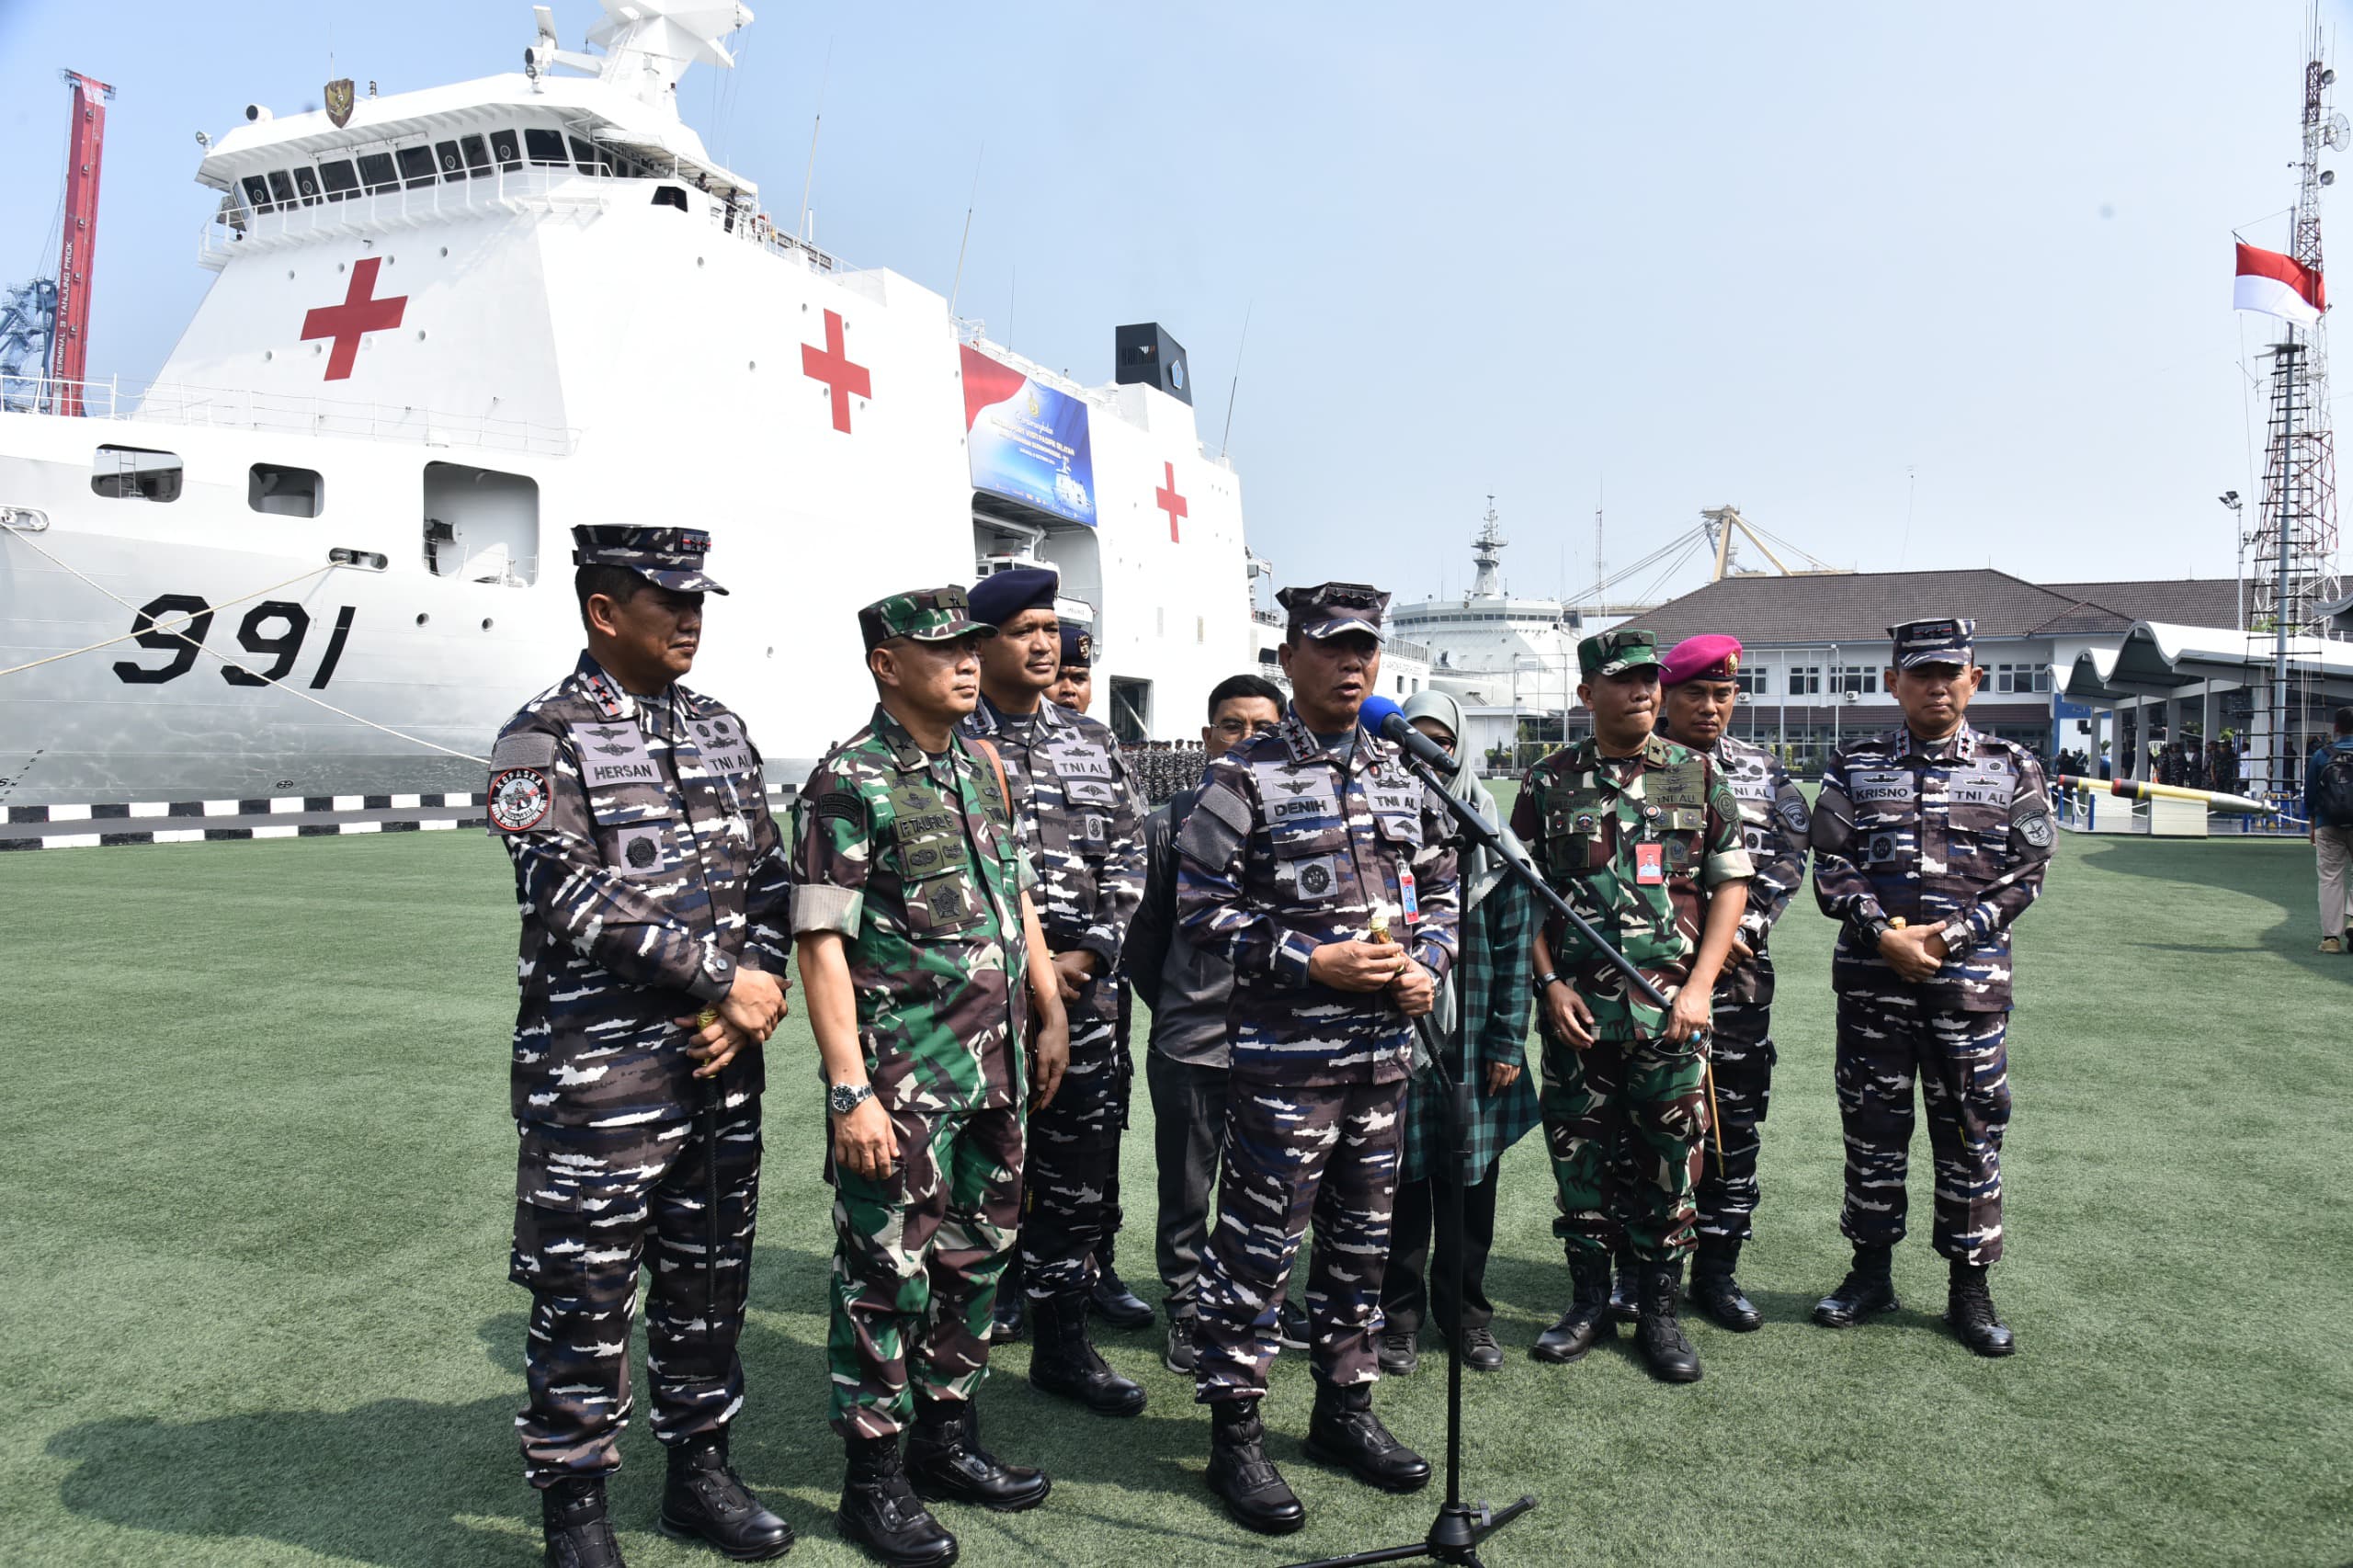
{"points": [[1483, 1013]]}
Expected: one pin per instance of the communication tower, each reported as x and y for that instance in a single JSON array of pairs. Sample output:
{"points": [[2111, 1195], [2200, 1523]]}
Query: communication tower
{"points": [[2294, 545]]}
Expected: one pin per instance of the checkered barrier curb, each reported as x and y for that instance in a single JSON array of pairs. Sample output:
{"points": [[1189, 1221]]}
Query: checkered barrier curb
{"points": [[197, 821]]}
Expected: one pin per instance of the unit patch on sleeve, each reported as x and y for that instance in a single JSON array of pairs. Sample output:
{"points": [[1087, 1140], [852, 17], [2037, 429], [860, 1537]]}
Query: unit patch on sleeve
{"points": [[518, 799]]}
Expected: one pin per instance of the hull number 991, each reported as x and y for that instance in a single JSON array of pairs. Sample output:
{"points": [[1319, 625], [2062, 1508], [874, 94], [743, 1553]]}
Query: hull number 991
{"points": [[273, 630]]}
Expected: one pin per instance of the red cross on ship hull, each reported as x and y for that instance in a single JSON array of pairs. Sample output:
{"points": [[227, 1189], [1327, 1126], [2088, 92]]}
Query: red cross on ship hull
{"points": [[360, 314], [832, 366], [1168, 501]]}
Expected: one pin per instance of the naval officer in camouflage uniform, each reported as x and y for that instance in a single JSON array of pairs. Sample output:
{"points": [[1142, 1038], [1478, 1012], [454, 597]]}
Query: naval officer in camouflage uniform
{"points": [[1928, 841], [1082, 829], [1642, 837], [1321, 870], [926, 970], [1698, 686], [655, 917]]}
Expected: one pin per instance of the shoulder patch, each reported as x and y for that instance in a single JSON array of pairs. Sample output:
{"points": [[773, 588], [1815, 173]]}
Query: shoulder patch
{"points": [[1226, 806], [523, 748], [2036, 830], [840, 806], [518, 799]]}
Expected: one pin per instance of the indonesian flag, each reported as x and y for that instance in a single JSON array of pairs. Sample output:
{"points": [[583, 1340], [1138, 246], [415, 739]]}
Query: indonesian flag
{"points": [[2278, 286]]}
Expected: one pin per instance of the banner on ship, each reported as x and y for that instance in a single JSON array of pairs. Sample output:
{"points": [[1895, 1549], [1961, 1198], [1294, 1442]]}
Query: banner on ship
{"points": [[1029, 443]]}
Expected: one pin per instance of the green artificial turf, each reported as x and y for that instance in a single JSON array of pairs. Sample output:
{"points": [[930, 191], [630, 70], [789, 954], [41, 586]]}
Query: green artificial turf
{"points": [[257, 1178]]}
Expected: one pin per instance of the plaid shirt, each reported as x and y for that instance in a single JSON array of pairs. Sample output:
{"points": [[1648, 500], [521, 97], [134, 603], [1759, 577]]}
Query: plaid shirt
{"points": [[1492, 979]]}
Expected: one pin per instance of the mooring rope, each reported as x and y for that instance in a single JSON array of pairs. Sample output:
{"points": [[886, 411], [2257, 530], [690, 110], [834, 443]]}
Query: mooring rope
{"points": [[178, 632]]}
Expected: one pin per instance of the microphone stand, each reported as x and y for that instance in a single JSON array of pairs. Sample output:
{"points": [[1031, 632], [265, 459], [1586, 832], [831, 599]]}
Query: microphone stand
{"points": [[1456, 1534]]}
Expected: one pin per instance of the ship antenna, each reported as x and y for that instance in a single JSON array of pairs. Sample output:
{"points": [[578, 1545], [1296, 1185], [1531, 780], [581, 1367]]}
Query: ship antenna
{"points": [[969, 202], [809, 178], [1235, 388]]}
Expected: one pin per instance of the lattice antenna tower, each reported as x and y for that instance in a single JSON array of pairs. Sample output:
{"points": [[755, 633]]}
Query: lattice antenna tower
{"points": [[2298, 517]]}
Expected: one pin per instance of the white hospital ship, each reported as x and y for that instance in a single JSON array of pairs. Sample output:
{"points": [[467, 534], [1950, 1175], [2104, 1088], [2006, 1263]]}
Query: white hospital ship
{"points": [[450, 324]]}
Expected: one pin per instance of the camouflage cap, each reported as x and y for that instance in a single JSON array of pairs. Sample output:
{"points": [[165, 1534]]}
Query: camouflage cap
{"points": [[928, 615], [1947, 640], [1615, 651], [1333, 609], [668, 558]]}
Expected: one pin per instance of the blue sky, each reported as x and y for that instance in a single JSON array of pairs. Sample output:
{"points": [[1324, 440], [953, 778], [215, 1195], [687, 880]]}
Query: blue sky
{"points": [[1833, 264]]}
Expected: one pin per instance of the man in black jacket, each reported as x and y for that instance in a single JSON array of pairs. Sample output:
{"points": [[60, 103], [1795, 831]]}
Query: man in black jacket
{"points": [[1186, 1065]]}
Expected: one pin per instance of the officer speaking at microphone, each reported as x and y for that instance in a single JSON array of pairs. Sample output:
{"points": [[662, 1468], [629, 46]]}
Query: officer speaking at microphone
{"points": [[1321, 870], [656, 926]]}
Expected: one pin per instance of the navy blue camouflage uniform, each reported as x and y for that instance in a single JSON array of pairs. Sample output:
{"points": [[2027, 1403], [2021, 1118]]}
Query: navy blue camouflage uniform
{"points": [[647, 868], [1953, 833], [1291, 846], [1774, 822], [1080, 823]]}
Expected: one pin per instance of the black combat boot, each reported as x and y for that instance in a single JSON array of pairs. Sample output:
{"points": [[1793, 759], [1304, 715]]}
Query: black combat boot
{"points": [[1715, 1292], [705, 1500], [1243, 1477], [1587, 1319], [1625, 1290], [1867, 1289], [1064, 1360], [880, 1510], [947, 1463], [1007, 1319], [1657, 1333], [1291, 1327], [572, 1516], [1970, 1310], [1344, 1431], [1111, 1298]]}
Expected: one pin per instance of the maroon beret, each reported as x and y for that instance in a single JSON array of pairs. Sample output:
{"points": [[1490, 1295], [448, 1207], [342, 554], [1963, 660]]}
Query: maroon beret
{"points": [[1711, 657]]}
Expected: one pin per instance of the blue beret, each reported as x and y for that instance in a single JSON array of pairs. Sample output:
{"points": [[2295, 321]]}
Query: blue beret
{"points": [[1078, 647], [997, 599]]}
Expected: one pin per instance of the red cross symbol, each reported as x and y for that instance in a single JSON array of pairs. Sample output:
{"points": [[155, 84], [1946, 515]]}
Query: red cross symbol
{"points": [[358, 314], [1168, 501], [832, 366]]}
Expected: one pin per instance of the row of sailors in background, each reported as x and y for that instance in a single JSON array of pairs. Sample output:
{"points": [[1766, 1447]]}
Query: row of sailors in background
{"points": [[971, 887]]}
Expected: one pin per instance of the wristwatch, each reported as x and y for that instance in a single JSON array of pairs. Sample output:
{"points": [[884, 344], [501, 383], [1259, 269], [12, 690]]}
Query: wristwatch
{"points": [[1546, 981], [843, 1099]]}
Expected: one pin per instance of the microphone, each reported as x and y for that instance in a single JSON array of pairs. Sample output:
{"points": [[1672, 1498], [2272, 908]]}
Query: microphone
{"points": [[1399, 729]]}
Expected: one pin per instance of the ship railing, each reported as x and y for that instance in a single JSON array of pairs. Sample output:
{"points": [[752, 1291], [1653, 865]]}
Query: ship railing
{"points": [[237, 408]]}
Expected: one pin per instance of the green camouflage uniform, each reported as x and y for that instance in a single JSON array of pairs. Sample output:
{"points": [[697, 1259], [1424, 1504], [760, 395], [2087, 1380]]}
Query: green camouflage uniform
{"points": [[913, 860], [1597, 822]]}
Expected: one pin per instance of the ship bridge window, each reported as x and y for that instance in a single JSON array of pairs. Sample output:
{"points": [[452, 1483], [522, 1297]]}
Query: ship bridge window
{"points": [[481, 526], [284, 492], [591, 162], [508, 148], [376, 173], [669, 195], [127, 473], [341, 180], [306, 185], [446, 155], [281, 188], [256, 192], [477, 155], [416, 165], [545, 147]]}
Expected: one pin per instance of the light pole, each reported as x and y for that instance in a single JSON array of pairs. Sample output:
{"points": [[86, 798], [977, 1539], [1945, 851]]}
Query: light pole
{"points": [[1838, 696], [2230, 498]]}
